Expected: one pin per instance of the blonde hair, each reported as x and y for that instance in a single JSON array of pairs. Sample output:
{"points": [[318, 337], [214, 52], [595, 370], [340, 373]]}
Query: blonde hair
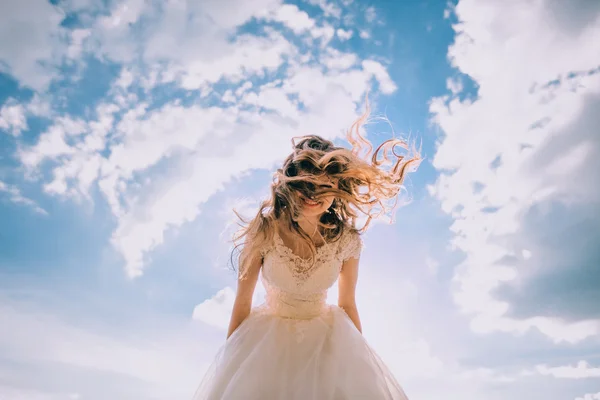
{"points": [[368, 183]]}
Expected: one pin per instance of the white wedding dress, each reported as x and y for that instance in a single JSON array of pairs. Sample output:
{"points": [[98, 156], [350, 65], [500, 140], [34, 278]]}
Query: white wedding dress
{"points": [[295, 346]]}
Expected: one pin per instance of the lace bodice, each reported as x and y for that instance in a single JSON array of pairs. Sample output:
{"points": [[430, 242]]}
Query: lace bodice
{"points": [[295, 289]]}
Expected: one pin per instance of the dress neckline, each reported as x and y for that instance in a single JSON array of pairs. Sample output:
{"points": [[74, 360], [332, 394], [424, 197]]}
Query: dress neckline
{"points": [[291, 253]]}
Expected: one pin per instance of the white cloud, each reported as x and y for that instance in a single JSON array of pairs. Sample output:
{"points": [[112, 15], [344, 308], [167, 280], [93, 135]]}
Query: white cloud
{"points": [[432, 265], [122, 14], [408, 355], [329, 9], [177, 36], [237, 12], [53, 142], [448, 11], [216, 310], [337, 60], [118, 152], [589, 396], [110, 37], [190, 43], [582, 370], [39, 106], [364, 34], [12, 393], [484, 374], [300, 23], [454, 85], [159, 163], [246, 207], [126, 78], [228, 151], [370, 14], [205, 135], [248, 56], [150, 136], [72, 147], [325, 33], [78, 36], [17, 197], [12, 117], [513, 96], [243, 88], [344, 34], [200, 32], [33, 27], [292, 17], [50, 343], [386, 84], [405, 352], [273, 99]]}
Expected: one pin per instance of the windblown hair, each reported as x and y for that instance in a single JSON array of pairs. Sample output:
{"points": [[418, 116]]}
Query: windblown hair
{"points": [[368, 184]]}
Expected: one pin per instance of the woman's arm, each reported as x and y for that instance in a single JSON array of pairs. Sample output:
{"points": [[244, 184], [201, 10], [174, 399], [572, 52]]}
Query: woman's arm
{"points": [[243, 298], [347, 290]]}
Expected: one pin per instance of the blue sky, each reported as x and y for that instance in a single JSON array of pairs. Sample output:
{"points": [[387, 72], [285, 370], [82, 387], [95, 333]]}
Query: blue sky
{"points": [[129, 130]]}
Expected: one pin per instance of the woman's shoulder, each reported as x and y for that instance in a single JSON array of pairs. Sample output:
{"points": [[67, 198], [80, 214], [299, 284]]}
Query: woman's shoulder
{"points": [[350, 231], [350, 243]]}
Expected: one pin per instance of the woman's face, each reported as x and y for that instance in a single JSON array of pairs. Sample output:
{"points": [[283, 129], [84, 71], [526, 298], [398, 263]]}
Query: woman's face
{"points": [[315, 207]]}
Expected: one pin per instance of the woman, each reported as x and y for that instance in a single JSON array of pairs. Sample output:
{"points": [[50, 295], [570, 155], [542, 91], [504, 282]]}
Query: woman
{"points": [[302, 240]]}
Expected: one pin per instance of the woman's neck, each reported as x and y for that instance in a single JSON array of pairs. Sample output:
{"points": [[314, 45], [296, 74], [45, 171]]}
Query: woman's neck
{"points": [[309, 225]]}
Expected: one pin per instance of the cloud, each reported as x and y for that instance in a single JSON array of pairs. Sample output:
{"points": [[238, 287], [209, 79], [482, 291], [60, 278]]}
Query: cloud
{"points": [[580, 371], [78, 37], [7, 392], [210, 92], [151, 158], [365, 34], [506, 155], [386, 84], [296, 20], [589, 396], [12, 117], [71, 359], [370, 14], [558, 279], [485, 375], [329, 8], [33, 50], [15, 196], [344, 34], [248, 56], [216, 311], [39, 106], [54, 143], [337, 60]]}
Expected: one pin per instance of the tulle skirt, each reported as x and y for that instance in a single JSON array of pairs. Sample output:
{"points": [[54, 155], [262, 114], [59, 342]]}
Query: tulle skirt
{"points": [[323, 358]]}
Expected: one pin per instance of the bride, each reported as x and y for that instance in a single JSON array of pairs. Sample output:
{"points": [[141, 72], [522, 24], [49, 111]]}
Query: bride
{"points": [[303, 239]]}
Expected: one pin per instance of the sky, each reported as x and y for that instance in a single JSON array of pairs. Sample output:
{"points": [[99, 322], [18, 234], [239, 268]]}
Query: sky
{"points": [[130, 129]]}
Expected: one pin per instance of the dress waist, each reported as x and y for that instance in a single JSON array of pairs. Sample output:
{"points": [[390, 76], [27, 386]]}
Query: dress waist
{"points": [[295, 306]]}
